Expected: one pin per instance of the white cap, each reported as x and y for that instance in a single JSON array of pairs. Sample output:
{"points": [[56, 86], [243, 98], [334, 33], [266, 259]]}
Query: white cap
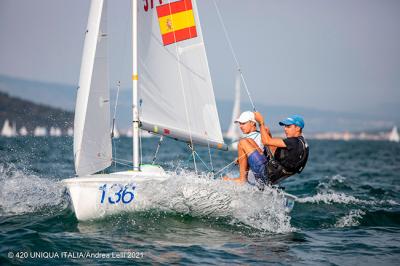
{"points": [[246, 117]]}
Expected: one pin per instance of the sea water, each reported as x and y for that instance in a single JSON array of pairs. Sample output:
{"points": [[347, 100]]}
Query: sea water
{"points": [[348, 211]]}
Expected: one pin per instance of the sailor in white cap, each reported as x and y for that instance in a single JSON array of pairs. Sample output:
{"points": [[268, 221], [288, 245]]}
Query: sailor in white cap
{"points": [[279, 159]]}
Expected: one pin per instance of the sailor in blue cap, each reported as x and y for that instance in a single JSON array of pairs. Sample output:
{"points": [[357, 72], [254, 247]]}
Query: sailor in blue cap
{"points": [[280, 158]]}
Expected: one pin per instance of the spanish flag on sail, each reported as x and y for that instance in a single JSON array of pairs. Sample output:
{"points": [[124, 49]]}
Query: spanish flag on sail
{"points": [[176, 21]]}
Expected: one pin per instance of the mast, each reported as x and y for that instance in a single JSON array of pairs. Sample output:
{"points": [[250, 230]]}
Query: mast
{"points": [[135, 112]]}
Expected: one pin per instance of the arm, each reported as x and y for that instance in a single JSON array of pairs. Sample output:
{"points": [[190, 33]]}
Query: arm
{"points": [[266, 137]]}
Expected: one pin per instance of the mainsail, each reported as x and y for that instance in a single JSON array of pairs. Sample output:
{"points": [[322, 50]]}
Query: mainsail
{"points": [[92, 139], [175, 89]]}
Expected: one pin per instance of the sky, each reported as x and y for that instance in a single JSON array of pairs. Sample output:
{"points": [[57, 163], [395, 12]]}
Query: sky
{"points": [[341, 55]]}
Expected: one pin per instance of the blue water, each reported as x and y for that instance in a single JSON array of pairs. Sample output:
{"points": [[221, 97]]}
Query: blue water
{"points": [[348, 212]]}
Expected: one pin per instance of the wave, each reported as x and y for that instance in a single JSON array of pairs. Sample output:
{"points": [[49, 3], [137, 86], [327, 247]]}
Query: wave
{"points": [[352, 219], [342, 198], [22, 193], [328, 193], [203, 196], [184, 193], [366, 217]]}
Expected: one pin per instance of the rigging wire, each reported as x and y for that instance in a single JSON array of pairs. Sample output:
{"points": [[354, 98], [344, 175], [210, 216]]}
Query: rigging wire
{"points": [[229, 164], [237, 64], [233, 54]]}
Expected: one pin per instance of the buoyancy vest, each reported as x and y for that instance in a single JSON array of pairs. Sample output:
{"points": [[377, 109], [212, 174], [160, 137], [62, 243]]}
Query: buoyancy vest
{"points": [[276, 172]]}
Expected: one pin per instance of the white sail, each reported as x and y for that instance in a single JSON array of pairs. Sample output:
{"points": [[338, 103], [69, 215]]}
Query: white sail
{"points": [[92, 139], [8, 130], [70, 131], [234, 132], [40, 131], [55, 132], [175, 88], [394, 135], [23, 131]]}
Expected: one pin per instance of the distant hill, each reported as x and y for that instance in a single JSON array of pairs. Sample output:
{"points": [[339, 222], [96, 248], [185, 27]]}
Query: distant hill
{"points": [[46, 93], [31, 115], [63, 96]]}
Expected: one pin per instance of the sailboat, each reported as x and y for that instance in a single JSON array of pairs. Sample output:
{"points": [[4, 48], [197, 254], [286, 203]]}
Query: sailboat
{"points": [[176, 94], [8, 130], [23, 131], [234, 132], [55, 132], [394, 135], [40, 131], [172, 91]]}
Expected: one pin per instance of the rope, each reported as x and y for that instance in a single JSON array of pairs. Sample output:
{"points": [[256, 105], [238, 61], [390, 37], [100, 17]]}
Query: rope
{"points": [[205, 165], [209, 154], [229, 164], [158, 148], [233, 54], [226, 166], [188, 159], [194, 157], [237, 64], [247, 136]]}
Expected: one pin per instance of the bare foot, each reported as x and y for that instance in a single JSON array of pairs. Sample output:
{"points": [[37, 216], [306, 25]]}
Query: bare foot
{"points": [[235, 179]]}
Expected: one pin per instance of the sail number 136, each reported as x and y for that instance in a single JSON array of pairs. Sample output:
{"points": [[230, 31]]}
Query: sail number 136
{"points": [[116, 193]]}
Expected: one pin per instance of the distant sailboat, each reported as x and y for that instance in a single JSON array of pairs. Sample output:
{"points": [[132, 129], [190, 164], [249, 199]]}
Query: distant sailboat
{"points": [[234, 133], [40, 131], [55, 132], [23, 131], [70, 131], [394, 135], [8, 130]]}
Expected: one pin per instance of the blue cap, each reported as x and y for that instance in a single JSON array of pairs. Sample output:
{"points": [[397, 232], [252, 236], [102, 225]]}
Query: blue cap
{"points": [[293, 120]]}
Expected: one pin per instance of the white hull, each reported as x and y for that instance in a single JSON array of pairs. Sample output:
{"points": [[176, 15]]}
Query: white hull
{"points": [[100, 195], [96, 196]]}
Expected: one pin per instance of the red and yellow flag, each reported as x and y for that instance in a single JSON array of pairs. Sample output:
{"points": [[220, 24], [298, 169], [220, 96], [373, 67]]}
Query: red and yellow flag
{"points": [[176, 21]]}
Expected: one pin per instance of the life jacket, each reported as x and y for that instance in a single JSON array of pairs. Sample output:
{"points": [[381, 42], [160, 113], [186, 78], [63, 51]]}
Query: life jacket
{"points": [[276, 172]]}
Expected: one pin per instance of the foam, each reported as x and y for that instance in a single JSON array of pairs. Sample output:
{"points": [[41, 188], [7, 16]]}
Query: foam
{"points": [[202, 196], [22, 193], [352, 219], [332, 182], [326, 194], [185, 193], [332, 197]]}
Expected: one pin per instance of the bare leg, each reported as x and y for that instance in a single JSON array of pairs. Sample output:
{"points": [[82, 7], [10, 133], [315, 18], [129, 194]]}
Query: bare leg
{"points": [[245, 148]]}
